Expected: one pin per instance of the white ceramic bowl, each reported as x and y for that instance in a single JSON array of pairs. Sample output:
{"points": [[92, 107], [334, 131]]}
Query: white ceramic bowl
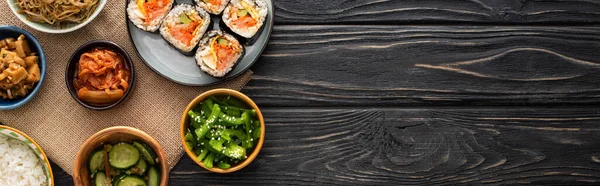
{"points": [[18, 135], [43, 27]]}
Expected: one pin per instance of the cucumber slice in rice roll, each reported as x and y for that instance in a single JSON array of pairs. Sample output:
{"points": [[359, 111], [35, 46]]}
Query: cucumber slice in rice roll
{"points": [[184, 26], [245, 17]]}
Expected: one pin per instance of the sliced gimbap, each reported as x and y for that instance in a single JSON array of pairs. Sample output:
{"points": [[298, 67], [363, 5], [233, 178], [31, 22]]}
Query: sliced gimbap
{"points": [[148, 14], [212, 6], [184, 26], [218, 53], [245, 17]]}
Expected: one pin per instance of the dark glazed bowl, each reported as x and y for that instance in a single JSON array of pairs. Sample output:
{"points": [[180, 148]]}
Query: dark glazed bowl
{"points": [[72, 69]]}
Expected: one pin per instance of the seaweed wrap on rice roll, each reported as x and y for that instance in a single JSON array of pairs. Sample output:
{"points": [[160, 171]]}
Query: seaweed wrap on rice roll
{"points": [[245, 17], [218, 53], [184, 26], [212, 6], [148, 14]]}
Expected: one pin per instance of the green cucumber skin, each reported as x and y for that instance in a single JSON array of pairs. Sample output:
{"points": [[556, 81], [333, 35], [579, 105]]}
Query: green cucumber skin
{"points": [[141, 167], [153, 177], [99, 179], [147, 153], [127, 175], [92, 164], [130, 181], [118, 178], [116, 156]]}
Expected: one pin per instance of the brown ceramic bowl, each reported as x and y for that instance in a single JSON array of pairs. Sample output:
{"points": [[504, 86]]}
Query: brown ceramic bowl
{"points": [[112, 135], [185, 122]]}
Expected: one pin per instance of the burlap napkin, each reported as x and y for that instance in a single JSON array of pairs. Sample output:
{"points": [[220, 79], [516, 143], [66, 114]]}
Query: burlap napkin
{"points": [[60, 125]]}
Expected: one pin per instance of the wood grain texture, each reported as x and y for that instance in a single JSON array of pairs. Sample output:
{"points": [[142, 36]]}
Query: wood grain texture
{"points": [[445, 146], [428, 65], [436, 11], [353, 96], [418, 147], [374, 74]]}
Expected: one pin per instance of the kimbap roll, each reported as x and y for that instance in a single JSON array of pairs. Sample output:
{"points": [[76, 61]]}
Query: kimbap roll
{"points": [[212, 6], [218, 53], [184, 26], [148, 14], [245, 17]]}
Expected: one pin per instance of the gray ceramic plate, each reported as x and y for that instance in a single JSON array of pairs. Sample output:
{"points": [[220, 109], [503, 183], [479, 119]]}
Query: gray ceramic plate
{"points": [[171, 64]]}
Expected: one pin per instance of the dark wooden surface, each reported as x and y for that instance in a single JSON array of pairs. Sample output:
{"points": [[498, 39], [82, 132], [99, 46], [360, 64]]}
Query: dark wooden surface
{"points": [[427, 92], [437, 11]]}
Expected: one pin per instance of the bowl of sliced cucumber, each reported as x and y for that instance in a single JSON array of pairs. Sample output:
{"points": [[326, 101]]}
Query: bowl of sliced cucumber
{"points": [[121, 156]]}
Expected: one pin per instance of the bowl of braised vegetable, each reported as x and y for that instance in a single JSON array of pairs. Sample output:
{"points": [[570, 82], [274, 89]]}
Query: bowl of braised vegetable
{"points": [[222, 130], [22, 67], [121, 156], [100, 75]]}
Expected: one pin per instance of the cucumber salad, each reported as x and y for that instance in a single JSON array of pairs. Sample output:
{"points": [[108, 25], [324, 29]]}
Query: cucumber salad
{"points": [[124, 164], [222, 131]]}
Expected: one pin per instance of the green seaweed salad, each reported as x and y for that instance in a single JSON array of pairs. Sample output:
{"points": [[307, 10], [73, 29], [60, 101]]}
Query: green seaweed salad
{"points": [[222, 131]]}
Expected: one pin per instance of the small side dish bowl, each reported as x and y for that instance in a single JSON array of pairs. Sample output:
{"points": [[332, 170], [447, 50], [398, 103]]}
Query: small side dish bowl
{"points": [[112, 135], [13, 133], [72, 65], [47, 28], [15, 32], [185, 123]]}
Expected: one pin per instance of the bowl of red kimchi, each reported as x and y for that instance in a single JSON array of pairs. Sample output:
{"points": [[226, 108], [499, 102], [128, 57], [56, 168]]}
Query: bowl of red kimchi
{"points": [[100, 75]]}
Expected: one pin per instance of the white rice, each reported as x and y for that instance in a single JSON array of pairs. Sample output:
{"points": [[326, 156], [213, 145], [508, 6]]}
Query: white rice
{"points": [[137, 18], [19, 165], [213, 9], [249, 32]]}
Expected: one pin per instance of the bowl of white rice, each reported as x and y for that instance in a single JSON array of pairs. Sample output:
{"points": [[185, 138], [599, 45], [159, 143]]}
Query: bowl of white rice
{"points": [[22, 161]]}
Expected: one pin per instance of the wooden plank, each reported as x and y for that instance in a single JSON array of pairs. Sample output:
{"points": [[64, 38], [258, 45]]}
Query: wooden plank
{"points": [[60, 176], [436, 11], [422, 146], [428, 65], [418, 147]]}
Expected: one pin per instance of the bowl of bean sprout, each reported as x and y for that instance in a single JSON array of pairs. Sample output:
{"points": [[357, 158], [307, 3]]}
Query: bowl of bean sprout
{"points": [[56, 16]]}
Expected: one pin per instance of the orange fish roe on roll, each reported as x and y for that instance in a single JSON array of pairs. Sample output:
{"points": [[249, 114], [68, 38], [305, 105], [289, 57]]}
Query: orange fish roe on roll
{"points": [[184, 26], [148, 14], [212, 6], [245, 17], [218, 53]]}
